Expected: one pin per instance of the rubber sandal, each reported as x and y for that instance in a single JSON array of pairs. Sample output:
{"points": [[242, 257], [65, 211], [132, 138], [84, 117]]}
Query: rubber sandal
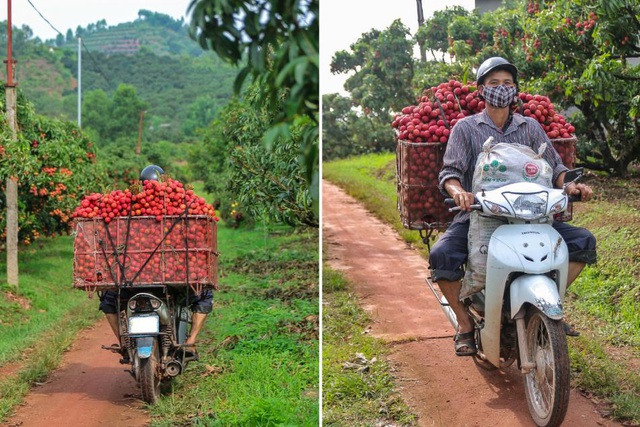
{"points": [[465, 344], [570, 330]]}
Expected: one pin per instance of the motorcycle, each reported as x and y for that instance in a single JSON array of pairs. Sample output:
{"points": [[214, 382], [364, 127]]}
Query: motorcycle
{"points": [[518, 315], [153, 328]]}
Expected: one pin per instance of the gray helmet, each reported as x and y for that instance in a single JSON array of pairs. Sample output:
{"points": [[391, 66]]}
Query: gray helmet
{"points": [[151, 173], [494, 64]]}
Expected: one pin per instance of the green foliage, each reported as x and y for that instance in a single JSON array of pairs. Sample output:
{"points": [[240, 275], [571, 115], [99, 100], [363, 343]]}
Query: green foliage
{"points": [[434, 33], [269, 183], [279, 42], [54, 163], [383, 66], [585, 46], [345, 132], [121, 163], [169, 72]]}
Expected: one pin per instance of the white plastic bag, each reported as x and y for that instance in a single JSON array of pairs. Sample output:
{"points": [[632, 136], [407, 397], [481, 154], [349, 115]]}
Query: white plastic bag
{"points": [[498, 165]]}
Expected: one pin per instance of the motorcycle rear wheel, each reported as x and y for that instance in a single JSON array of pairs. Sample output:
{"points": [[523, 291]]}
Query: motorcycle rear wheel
{"points": [[150, 376], [547, 386]]}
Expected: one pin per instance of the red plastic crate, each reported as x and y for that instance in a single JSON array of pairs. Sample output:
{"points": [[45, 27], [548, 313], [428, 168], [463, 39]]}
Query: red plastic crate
{"points": [[154, 253]]}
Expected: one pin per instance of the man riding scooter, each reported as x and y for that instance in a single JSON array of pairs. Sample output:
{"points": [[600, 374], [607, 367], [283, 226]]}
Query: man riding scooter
{"points": [[497, 81], [200, 305]]}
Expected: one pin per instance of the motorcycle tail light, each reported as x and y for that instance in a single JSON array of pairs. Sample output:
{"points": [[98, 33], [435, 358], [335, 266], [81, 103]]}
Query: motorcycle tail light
{"points": [[141, 305], [155, 304]]}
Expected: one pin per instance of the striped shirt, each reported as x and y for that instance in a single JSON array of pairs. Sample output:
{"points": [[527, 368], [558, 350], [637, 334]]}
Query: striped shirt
{"points": [[469, 134]]}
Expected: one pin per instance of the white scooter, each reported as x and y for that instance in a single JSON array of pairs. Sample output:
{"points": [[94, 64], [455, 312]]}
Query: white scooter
{"points": [[518, 316]]}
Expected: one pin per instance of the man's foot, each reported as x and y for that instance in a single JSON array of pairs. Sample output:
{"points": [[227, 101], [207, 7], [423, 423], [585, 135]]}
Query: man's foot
{"points": [[465, 344]]}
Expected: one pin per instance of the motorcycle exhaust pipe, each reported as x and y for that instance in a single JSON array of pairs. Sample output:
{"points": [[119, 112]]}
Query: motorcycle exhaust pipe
{"points": [[174, 368]]}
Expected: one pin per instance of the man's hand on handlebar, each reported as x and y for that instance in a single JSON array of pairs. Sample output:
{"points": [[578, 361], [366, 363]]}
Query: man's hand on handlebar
{"points": [[464, 200], [584, 191]]}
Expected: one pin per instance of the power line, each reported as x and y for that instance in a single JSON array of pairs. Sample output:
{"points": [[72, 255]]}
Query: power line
{"points": [[97, 65], [42, 16]]}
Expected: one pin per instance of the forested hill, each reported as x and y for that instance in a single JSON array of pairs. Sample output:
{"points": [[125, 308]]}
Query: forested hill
{"points": [[181, 85]]}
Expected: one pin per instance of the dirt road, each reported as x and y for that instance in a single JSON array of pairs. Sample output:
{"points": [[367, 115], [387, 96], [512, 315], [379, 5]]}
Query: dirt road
{"points": [[90, 389], [441, 388]]}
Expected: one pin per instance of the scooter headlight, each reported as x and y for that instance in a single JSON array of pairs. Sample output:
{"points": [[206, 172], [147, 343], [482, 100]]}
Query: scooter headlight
{"points": [[528, 206]]}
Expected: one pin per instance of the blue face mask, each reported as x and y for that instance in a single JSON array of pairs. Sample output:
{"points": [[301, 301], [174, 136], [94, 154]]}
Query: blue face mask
{"points": [[499, 96]]}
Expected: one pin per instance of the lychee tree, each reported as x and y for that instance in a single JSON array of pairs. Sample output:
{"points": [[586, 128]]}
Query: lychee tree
{"points": [[54, 164], [589, 48], [580, 53]]}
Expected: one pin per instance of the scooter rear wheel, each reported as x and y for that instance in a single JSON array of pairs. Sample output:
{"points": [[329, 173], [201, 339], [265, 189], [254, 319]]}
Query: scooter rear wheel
{"points": [[547, 386], [150, 376]]}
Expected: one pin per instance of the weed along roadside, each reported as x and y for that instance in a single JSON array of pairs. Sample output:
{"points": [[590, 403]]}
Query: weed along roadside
{"points": [[604, 359], [258, 349]]}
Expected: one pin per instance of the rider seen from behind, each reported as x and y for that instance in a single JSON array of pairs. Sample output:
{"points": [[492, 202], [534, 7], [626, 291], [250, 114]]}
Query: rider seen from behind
{"points": [[200, 305]]}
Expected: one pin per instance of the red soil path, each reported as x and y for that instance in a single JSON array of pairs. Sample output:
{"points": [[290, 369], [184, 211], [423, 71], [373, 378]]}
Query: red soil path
{"points": [[90, 389]]}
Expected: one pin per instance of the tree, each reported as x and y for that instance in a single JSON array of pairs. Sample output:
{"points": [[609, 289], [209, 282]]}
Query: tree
{"points": [[382, 62], [382, 65], [347, 132], [434, 35], [584, 47], [267, 183], [124, 113], [113, 118], [56, 164], [277, 44]]}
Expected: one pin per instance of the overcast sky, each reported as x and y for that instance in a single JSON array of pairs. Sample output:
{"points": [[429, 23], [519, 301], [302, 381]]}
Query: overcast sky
{"points": [[68, 14], [342, 22]]}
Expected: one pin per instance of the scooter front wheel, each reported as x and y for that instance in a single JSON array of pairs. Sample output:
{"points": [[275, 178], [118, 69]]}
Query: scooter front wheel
{"points": [[547, 386]]}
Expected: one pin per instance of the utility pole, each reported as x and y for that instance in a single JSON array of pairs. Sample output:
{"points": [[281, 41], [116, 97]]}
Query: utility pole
{"points": [[12, 182], [79, 82], [423, 53], [140, 131]]}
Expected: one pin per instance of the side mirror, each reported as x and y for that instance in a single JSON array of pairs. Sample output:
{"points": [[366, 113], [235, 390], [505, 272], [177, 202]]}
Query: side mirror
{"points": [[573, 175]]}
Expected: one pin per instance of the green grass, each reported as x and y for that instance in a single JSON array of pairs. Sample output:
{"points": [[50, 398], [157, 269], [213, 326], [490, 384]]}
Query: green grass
{"points": [[259, 362], [363, 394], [39, 321], [605, 300]]}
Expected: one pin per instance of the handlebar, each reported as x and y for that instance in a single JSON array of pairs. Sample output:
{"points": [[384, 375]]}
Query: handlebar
{"points": [[450, 201]]}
